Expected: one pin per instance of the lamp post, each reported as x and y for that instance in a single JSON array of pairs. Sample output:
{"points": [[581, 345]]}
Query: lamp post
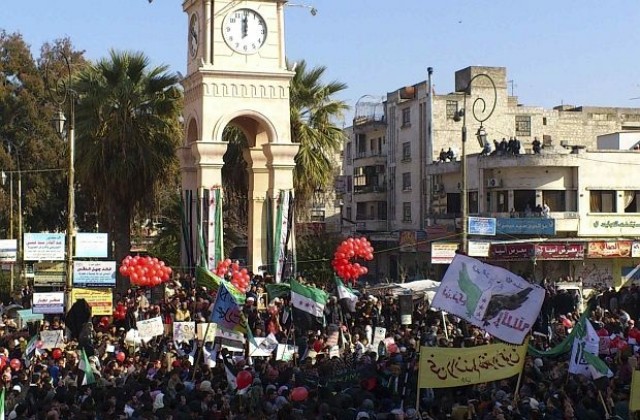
{"points": [[63, 95], [481, 116]]}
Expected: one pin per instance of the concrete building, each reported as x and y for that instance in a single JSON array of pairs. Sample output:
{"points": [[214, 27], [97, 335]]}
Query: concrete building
{"points": [[423, 195]]}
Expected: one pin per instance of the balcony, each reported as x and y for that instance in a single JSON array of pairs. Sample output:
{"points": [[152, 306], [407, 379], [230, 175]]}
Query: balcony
{"points": [[370, 225], [369, 193], [370, 159]]}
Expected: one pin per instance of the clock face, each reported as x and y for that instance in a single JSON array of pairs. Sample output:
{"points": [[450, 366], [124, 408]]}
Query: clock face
{"points": [[194, 35], [244, 31]]}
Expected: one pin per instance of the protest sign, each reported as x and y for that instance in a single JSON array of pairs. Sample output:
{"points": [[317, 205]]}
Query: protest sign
{"points": [[285, 352], [264, 346], [150, 328], [379, 335], [52, 339], [48, 303], [100, 301], [230, 340], [183, 332], [450, 367], [206, 328]]}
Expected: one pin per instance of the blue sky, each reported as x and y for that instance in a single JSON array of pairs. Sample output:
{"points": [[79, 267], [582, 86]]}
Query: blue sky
{"points": [[573, 52]]}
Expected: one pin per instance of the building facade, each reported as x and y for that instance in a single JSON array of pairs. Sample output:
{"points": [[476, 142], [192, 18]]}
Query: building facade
{"points": [[423, 194]]}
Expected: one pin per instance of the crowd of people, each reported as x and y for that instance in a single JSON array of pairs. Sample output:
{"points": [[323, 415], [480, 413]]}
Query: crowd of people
{"points": [[336, 372]]}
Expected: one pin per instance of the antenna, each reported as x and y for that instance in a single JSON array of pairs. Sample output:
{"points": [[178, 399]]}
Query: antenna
{"points": [[512, 84]]}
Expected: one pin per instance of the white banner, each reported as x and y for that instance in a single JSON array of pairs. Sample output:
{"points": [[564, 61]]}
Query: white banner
{"points": [[92, 245], [150, 328], [209, 329], [443, 252], [479, 248], [265, 346], [183, 332], [285, 352], [44, 246], [282, 232], [52, 339], [94, 274], [214, 230], [48, 303], [492, 298]]}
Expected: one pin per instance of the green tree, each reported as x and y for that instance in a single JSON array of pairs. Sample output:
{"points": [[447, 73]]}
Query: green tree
{"points": [[314, 110], [128, 128], [314, 252]]}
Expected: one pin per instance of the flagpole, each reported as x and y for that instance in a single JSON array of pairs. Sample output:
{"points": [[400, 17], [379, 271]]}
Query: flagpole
{"points": [[204, 339], [517, 390], [604, 405]]}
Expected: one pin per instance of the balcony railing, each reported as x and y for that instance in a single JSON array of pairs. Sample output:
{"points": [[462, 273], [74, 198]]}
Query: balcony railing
{"points": [[369, 189]]}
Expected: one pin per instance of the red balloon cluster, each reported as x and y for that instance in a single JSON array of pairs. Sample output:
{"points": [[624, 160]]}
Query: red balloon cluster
{"points": [[145, 271], [231, 271], [120, 313], [348, 250]]}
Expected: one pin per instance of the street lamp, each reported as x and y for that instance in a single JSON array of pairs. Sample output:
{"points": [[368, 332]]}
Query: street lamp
{"points": [[483, 114], [63, 95]]}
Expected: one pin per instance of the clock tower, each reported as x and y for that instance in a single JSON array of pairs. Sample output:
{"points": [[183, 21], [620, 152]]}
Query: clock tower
{"points": [[237, 76]]}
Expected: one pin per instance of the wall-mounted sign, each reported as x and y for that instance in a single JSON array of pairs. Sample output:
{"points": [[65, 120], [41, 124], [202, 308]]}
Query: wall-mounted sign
{"points": [[443, 252], [92, 245], [609, 249], [48, 303], [94, 273], [512, 251], [560, 251], [525, 226], [482, 226], [48, 274], [44, 246], [8, 250], [635, 250], [618, 225], [478, 248]]}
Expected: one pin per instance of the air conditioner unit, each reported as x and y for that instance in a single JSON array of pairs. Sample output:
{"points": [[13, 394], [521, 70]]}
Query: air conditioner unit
{"points": [[494, 182]]}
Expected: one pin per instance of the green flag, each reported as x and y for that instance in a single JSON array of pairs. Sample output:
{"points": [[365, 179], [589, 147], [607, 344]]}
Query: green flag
{"points": [[278, 290], [85, 367], [205, 278], [2, 416]]}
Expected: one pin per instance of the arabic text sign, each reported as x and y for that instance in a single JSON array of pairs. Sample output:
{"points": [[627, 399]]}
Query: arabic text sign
{"points": [[492, 298], [635, 250], [482, 226], [512, 251], [609, 249], [525, 226], [183, 332], [560, 251], [100, 301], [92, 245], [94, 273], [443, 252], [52, 339], [450, 367], [479, 248], [8, 250], [44, 246], [149, 328], [48, 303]]}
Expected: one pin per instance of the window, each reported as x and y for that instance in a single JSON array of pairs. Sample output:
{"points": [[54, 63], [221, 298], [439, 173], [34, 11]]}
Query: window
{"points": [[361, 145], [454, 205], [361, 211], [348, 153], [406, 181], [452, 109], [473, 202], [406, 212], [317, 215], [349, 183], [544, 120], [406, 151], [603, 201], [382, 210], [632, 201], [348, 215], [523, 125], [524, 201], [406, 117], [556, 200], [502, 202]]}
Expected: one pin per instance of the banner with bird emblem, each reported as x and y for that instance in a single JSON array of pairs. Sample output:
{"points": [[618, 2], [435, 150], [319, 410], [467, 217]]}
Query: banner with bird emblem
{"points": [[489, 297], [226, 311]]}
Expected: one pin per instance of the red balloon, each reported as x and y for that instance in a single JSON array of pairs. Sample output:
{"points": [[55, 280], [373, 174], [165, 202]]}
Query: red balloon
{"points": [[244, 379], [318, 345], [15, 364], [3, 361], [57, 353], [299, 394], [123, 270], [120, 356]]}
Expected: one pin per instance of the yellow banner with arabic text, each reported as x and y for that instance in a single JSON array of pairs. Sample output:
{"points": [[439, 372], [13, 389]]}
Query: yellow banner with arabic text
{"points": [[100, 301], [444, 367], [634, 398]]}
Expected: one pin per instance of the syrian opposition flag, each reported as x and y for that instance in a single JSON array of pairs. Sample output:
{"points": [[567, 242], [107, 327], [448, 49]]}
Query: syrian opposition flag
{"points": [[346, 296], [85, 367], [597, 367], [585, 343], [308, 306], [2, 416]]}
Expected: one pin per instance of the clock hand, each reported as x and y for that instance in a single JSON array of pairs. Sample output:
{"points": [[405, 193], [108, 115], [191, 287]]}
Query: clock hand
{"points": [[245, 26]]}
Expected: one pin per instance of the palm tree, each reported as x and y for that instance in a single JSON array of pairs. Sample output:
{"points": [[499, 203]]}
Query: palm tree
{"points": [[127, 123], [313, 112]]}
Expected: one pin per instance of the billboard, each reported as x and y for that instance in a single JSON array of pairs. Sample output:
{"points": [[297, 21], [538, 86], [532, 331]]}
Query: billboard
{"points": [[94, 273], [44, 246], [525, 226]]}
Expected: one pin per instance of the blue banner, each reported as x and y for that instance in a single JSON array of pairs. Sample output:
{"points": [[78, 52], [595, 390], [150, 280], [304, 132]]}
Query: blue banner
{"points": [[526, 226]]}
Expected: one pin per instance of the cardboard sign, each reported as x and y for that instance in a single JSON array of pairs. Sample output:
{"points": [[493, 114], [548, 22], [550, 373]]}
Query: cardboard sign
{"points": [[285, 352], [378, 336], [265, 346]]}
